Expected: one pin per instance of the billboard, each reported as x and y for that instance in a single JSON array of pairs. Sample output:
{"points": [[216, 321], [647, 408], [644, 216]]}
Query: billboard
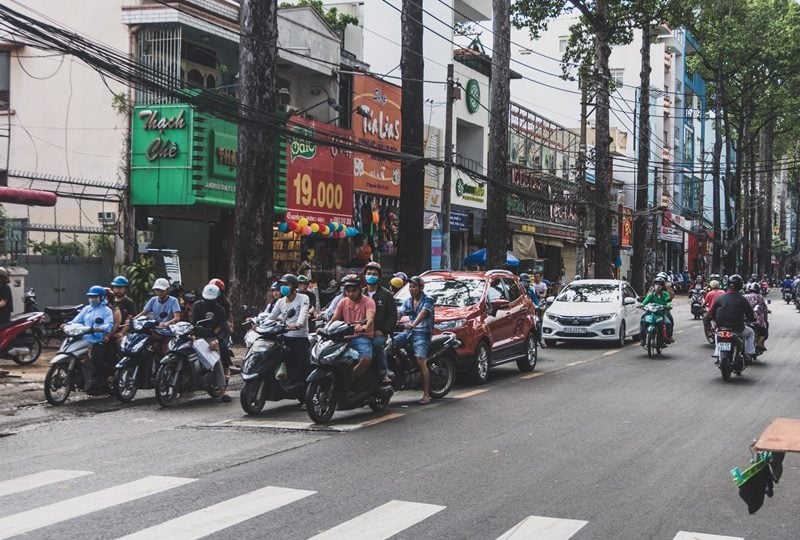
{"points": [[379, 128]]}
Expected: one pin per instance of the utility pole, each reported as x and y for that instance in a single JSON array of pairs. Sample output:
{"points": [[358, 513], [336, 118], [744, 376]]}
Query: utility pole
{"points": [[580, 245], [639, 240], [656, 212], [448, 171]]}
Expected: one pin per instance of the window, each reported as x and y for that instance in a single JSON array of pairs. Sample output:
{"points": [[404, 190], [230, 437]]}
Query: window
{"points": [[5, 80], [513, 290], [618, 76], [562, 43]]}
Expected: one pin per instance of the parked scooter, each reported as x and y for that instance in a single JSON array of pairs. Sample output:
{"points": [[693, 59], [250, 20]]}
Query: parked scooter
{"points": [[655, 328], [70, 367], [265, 355], [20, 339], [138, 364], [54, 316], [440, 360], [188, 366], [331, 385], [731, 353]]}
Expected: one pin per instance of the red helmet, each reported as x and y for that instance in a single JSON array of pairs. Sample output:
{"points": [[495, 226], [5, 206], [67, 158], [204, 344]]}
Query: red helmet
{"points": [[219, 283]]}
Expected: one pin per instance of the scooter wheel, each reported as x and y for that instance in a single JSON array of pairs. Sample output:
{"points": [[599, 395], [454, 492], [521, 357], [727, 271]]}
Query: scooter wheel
{"points": [[125, 384], [252, 403], [166, 393], [57, 384], [321, 400], [35, 346]]}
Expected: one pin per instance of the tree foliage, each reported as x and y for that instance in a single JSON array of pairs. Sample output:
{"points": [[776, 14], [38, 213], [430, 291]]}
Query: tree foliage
{"points": [[335, 19]]}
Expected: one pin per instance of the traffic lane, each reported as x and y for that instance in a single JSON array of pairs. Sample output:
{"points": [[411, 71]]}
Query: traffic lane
{"points": [[641, 448]]}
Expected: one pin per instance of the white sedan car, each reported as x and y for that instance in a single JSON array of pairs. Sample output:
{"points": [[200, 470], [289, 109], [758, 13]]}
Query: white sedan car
{"points": [[592, 309]]}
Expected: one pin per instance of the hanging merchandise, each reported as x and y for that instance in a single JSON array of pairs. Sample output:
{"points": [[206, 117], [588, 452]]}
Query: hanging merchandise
{"points": [[757, 480]]}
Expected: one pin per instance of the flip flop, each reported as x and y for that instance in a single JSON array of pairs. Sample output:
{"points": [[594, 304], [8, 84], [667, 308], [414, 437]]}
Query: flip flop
{"points": [[424, 401]]}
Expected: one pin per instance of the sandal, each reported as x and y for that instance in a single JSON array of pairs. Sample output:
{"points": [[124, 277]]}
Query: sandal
{"points": [[424, 401]]}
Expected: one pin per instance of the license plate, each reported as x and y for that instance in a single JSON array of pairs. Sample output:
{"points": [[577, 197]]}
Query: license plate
{"points": [[570, 330], [725, 346]]}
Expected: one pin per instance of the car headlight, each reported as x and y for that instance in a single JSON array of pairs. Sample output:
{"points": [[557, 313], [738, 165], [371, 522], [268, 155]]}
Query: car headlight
{"points": [[607, 317], [551, 316], [450, 325]]}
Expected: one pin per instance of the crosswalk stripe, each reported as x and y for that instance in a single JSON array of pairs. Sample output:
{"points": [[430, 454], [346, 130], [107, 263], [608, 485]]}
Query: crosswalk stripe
{"points": [[543, 528], [222, 515], [44, 516], [382, 522], [683, 535], [44, 478]]}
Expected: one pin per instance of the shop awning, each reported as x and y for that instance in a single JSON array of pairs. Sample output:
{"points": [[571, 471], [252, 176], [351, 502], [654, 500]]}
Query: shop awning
{"points": [[524, 246], [549, 241]]}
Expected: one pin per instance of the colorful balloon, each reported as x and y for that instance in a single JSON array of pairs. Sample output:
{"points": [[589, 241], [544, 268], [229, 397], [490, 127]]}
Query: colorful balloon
{"points": [[283, 227], [306, 230], [314, 228], [325, 230], [302, 222]]}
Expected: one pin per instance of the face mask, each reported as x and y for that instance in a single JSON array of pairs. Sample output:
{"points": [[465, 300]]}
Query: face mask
{"points": [[371, 280], [285, 290], [94, 301]]}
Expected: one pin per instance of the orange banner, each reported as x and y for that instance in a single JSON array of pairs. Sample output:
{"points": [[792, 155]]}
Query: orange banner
{"points": [[380, 101]]}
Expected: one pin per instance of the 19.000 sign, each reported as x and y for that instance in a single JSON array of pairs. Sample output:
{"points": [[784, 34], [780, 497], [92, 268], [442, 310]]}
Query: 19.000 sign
{"points": [[326, 196]]}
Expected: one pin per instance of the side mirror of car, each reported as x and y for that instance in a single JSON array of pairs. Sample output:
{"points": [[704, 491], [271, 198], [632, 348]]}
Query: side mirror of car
{"points": [[499, 303], [550, 300], [628, 301]]}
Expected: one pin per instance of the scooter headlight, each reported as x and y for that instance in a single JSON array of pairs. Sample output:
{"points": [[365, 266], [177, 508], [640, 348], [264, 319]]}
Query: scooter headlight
{"points": [[260, 346]]}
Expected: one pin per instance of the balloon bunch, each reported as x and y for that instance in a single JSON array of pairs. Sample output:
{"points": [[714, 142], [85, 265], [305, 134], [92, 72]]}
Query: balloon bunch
{"points": [[302, 227]]}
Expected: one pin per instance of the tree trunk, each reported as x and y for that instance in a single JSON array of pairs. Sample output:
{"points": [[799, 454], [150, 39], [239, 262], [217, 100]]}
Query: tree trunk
{"points": [[412, 186], [730, 255], [639, 258], [751, 205], [765, 241], [602, 186], [716, 170], [251, 262], [500, 90]]}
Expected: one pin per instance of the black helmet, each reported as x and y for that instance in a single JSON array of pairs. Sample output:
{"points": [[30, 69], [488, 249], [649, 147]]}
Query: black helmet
{"points": [[374, 266], [524, 277], [416, 280], [351, 280], [735, 282], [290, 279], [754, 288]]}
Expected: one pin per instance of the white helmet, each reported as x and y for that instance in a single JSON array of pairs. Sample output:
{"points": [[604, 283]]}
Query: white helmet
{"points": [[161, 284], [210, 292]]}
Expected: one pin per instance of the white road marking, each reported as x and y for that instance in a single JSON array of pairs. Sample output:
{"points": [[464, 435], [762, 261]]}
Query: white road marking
{"points": [[51, 514], [543, 528], [220, 516], [383, 522], [532, 375], [683, 535], [44, 478]]}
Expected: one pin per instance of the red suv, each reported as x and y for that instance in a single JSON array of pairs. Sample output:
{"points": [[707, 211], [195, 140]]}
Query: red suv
{"points": [[489, 312]]}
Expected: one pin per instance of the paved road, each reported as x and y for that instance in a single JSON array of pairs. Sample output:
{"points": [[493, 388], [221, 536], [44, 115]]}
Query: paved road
{"points": [[604, 443]]}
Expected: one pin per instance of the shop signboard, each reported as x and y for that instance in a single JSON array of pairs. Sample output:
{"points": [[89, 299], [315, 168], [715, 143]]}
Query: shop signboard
{"points": [[467, 192], [626, 228], [319, 178], [433, 199], [550, 198], [459, 221], [379, 128]]}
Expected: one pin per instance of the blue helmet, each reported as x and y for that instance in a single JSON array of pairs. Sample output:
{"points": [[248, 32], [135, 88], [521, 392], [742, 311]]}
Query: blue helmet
{"points": [[119, 281], [96, 290]]}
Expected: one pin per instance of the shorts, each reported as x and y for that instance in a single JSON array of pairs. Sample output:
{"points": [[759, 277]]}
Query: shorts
{"points": [[362, 345], [420, 341]]}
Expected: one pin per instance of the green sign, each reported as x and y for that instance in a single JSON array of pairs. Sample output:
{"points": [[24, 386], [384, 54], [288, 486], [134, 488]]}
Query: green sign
{"points": [[180, 157], [473, 96]]}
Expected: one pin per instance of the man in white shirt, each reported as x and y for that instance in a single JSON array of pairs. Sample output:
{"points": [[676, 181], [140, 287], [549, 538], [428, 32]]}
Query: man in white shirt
{"points": [[292, 308]]}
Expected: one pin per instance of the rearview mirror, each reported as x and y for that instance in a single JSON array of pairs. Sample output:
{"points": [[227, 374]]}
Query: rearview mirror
{"points": [[550, 299], [628, 301]]}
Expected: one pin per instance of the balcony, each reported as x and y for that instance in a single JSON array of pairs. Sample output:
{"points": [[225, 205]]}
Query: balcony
{"points": [[471, 164], [472, 10]]}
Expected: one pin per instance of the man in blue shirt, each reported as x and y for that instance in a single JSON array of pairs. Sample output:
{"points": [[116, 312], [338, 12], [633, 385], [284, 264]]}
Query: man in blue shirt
{"points": [[419, 309], [98, 316], [162, 307]]}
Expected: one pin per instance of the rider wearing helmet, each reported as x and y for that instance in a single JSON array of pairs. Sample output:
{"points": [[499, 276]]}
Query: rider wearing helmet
{"points": [[525, 282], [787, 282], [124, 307], [732, 310], [385, 316], [273, 296], [303, 288], [225, 336], [98, 316], [292, 309], [356, 307], [6, 300], [211, 323], [658, 295], [419, 309], [761, 311], [162, 307]]}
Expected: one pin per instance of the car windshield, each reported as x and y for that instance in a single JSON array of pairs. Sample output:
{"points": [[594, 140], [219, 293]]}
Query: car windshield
{"points": [[458, 292], [592, 293]]}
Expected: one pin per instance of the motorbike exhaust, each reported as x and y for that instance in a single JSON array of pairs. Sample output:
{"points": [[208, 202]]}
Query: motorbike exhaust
{"points": [[18, 351]]}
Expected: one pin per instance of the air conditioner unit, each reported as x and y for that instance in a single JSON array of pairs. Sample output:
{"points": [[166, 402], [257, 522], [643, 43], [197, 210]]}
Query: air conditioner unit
{"points": [[106, 218]]}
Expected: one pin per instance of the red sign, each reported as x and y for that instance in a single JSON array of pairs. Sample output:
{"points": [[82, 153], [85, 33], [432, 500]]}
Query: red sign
{"points": [[626, 226], [319, 179], [380, 101]]}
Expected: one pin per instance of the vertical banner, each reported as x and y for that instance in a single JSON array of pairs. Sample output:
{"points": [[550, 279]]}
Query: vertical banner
{"points": [[436, 249], [379, 127]]}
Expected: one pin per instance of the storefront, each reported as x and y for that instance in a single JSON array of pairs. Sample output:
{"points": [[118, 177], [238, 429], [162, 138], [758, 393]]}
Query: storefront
{"points": [[671, 234], [467, 212]]}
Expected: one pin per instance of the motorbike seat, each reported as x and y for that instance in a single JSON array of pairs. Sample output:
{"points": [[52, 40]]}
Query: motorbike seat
{"points": [[436, 344], [62, 310]]}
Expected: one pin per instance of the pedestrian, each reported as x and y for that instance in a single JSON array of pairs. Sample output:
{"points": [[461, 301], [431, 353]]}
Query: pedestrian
{"points": [[420, 311]]}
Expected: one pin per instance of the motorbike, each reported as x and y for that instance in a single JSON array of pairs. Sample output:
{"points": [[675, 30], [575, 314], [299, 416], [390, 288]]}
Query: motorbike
{"points": [[698, 304], [266, 352], [21, 338], [655, 328], [731, 353], [189, 365], [330, 384], [788, 296], [54, 316], [138, 364], [69, 368], [440, 360]]}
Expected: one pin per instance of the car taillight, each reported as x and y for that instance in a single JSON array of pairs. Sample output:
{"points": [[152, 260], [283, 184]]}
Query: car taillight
{"points": [[725, 335]]}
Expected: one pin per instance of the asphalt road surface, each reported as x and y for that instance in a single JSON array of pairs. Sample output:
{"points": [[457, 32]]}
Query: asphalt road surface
{"points": [[599, 443]]}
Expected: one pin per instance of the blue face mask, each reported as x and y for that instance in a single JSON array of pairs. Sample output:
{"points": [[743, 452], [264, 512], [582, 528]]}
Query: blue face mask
{"points": [[94, 300], [371, 280], [285, 290]]}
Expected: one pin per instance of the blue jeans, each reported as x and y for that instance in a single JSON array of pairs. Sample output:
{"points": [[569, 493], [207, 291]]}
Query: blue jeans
{"points": [[362, 345], [419, 341], [379, 354]]}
